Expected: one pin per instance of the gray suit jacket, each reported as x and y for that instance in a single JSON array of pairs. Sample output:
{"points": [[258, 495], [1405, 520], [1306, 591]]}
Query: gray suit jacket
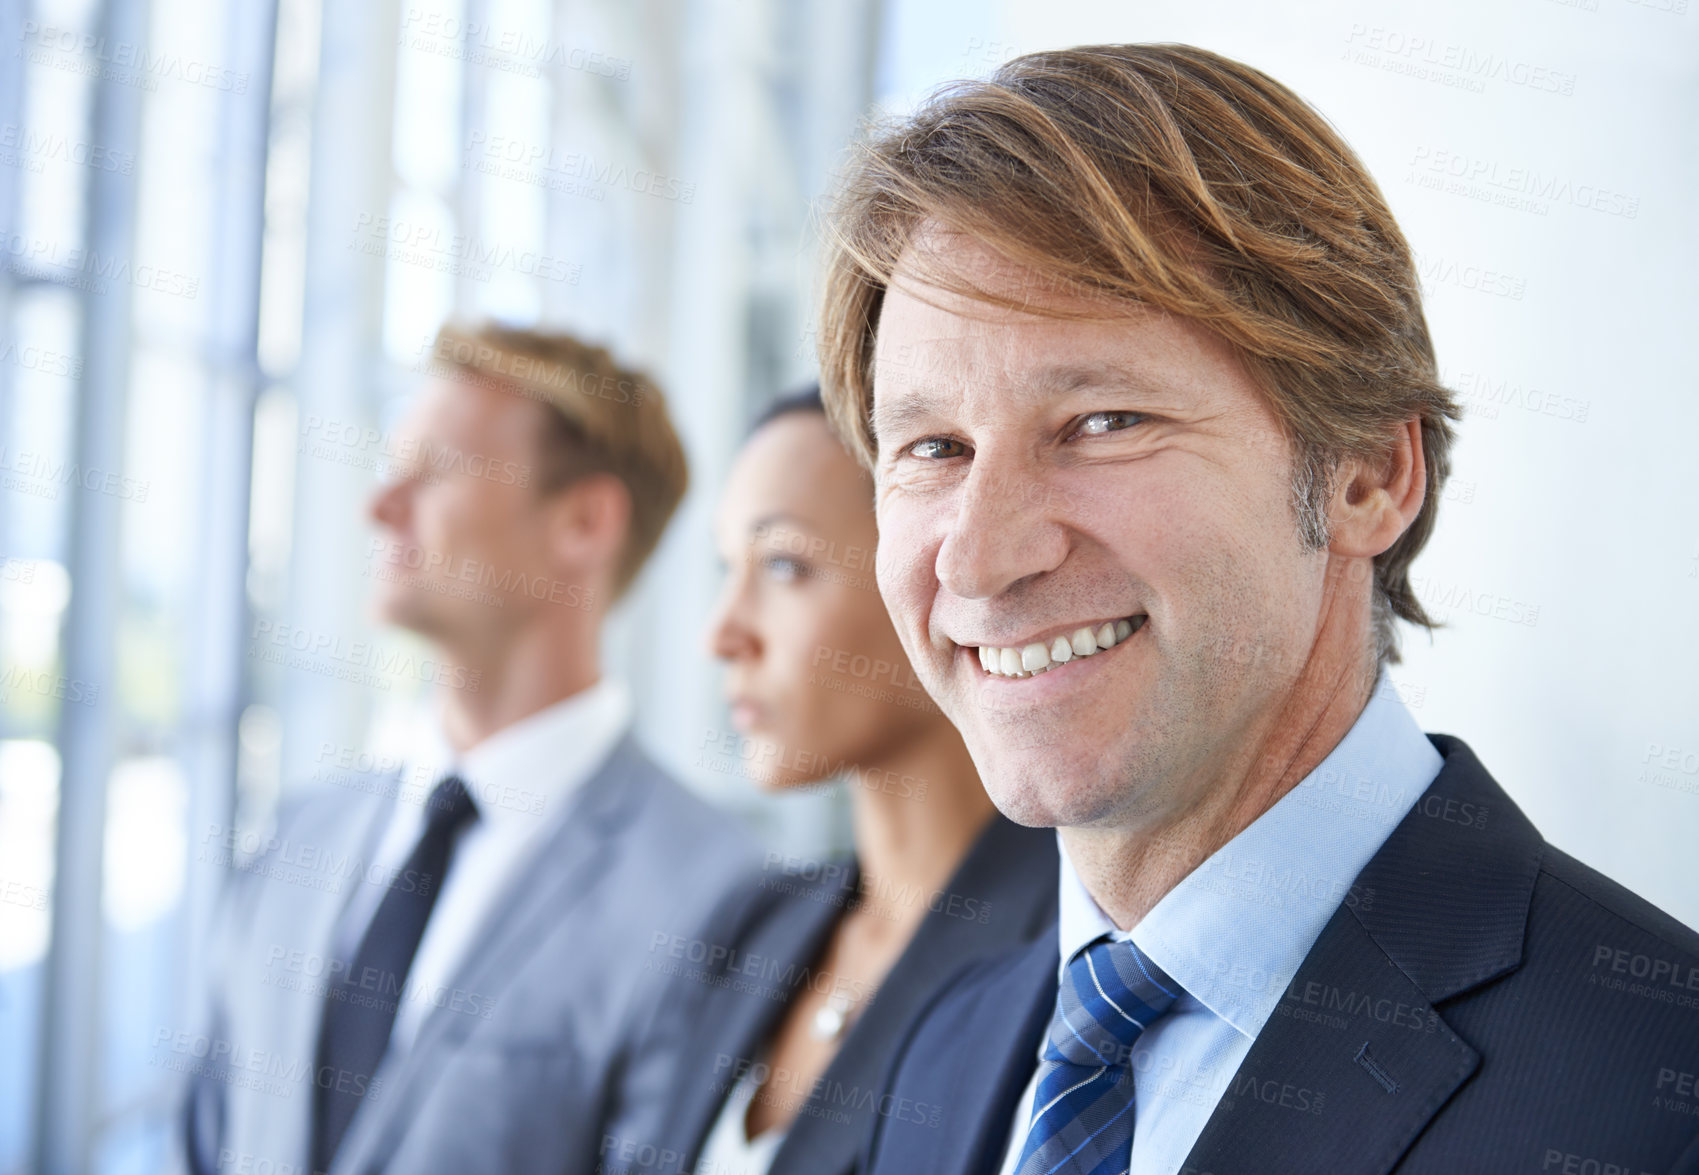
{"points": [[510, 1067], [762, 945]]}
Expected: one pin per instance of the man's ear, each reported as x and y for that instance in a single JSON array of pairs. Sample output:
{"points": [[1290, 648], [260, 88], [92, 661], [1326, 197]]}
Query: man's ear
{"points": [[1375, 501], [588, 522]]}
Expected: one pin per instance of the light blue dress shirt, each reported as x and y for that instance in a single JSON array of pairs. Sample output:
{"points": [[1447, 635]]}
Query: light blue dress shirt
{"points": [[1234, 932]]}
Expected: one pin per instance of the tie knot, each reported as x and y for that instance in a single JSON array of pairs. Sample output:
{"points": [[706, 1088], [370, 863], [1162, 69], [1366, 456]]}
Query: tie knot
{"points": [[1111, 992], [449, 806]]}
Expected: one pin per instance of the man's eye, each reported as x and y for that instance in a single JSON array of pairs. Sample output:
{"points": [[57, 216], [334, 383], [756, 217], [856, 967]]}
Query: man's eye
{"points": [[1098, 423], [937, 448]]}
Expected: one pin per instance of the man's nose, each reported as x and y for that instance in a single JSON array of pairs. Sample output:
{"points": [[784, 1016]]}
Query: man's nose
{"points": [[1005, 529]]}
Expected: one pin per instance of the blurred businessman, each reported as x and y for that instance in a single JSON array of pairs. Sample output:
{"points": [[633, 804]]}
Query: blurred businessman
{"points": [[1137, 355], [457, 1006]]}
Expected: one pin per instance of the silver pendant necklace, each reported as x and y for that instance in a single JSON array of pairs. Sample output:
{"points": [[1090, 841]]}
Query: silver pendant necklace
{"points": [[829, 1022]]}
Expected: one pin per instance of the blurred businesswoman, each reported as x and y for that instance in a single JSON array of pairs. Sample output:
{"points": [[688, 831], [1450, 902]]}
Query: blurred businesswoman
{"points": [[768, 1057]]}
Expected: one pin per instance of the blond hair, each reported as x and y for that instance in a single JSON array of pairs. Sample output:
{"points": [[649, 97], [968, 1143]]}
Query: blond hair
{"points": [[1166, 176], [605, 419]]}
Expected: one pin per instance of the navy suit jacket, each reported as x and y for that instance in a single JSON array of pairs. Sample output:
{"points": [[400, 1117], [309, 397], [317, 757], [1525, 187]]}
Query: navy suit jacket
{"points": [[710, 1026], [1499, 1007]]}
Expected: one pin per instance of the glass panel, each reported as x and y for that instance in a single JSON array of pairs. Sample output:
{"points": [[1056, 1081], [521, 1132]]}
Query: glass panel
{"points": [[56, 151], [37, 471], [288, 171], [514, 211], [29, 806], [37, 484], [49, 157], [422, 251], [145, 854], [163, 479], [427, 102]]}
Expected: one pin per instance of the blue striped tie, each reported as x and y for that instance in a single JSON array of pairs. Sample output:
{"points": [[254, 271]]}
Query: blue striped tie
{"points": [[1082, 1113]]}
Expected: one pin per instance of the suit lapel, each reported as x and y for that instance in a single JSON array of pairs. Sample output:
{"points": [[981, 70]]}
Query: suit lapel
{"points": [[1357, 1059], [791, 928], [1008, 883], [559, 873], [297, 918], [992, 1053], [1341, 1078]]}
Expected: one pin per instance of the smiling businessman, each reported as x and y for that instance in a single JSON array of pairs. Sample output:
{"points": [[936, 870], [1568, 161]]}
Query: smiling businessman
{"points": [[1136, 354]]}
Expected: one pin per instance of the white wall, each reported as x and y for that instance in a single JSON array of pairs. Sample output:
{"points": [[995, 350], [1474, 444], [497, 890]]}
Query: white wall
{"points": [[1571, 520]]}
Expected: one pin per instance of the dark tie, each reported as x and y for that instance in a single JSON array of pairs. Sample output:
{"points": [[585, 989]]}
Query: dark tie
{"points": [[360, 1008], [1082, 1112]]}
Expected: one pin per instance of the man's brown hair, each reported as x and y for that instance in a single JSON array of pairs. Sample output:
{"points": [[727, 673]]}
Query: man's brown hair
{"points": [[1167, 176], [603, 418]]}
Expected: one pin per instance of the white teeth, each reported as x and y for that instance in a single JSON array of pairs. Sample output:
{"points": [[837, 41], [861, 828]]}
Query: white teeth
{"points": [[1037, 657]]}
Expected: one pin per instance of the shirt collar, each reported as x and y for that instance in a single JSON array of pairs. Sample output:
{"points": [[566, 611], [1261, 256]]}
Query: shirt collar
{"points": [[522, 776], [1234, 931]]}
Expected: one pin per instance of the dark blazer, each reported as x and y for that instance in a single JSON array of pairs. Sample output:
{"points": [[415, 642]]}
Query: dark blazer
{"points": [[1498, 1007], [768, 939]]}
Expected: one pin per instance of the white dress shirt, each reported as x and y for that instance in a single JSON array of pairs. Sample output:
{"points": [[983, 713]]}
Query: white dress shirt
{"points": [[521, 779], [728, 1149], [1234, 932]]}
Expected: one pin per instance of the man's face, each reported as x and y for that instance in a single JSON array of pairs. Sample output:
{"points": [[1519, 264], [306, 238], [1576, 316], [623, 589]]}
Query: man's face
{"points": [[463, 538], [1037, 476]]}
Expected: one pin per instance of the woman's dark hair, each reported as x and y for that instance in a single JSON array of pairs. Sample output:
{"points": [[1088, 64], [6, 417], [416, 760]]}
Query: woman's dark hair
{"points": [[806, 399]]}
